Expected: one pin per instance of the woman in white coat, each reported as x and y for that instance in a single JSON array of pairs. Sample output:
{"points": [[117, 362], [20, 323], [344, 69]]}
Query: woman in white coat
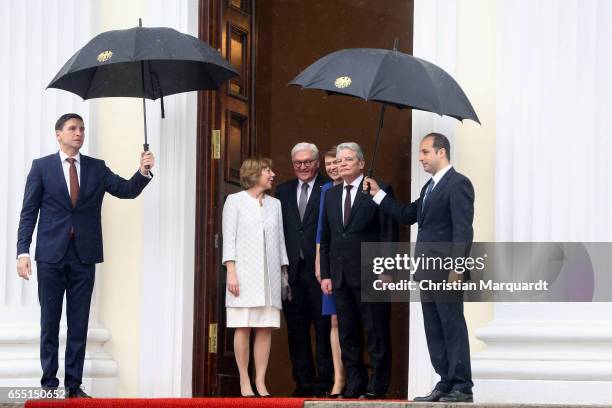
{"points": [[256, 260]]}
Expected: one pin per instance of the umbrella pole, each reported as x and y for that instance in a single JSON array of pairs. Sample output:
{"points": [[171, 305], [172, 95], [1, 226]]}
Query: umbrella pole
{"points": [[145, 146], [144, 110], [381, 121]]}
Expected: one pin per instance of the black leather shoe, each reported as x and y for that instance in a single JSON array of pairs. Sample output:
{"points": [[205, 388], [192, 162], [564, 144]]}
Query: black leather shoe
{"points": [[372, 396], [76, 392], [334, 396], [349, 394], [457, 396], [433, 396]]}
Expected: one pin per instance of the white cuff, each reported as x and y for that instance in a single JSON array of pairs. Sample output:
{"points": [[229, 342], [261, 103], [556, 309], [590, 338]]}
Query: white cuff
{"points": [[378, 197], [24, 255], [148, 175]]}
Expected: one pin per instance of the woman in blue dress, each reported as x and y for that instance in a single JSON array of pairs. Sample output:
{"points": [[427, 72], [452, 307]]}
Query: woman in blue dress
{"points": [[329, 302]]}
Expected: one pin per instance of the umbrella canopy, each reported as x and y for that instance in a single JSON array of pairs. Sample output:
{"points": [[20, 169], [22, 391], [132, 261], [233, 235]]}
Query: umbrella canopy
{"points": [[390, 77], [143, 62], [149, 62]]}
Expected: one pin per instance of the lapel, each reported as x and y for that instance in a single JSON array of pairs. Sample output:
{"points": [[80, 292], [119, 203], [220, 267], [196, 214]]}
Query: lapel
{"points": [[337, 196], [293, 200], [83, 178], [59, 173], [433, 194], [315, 194]]}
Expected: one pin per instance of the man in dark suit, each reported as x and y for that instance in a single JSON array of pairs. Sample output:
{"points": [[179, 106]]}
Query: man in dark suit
{"points": [[67, 189], [444, 212], [351, 218], [300, 203]]}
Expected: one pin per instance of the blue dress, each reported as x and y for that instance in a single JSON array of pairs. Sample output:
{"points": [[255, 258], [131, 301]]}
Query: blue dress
{"points": [[329, 301]]}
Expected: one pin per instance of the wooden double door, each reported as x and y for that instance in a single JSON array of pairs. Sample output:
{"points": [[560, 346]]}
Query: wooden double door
{"points": [[270, 42]]}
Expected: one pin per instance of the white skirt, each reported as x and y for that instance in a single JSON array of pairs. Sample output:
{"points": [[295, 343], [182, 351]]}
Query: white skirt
{"points": [[258, 316], [262, 316]]}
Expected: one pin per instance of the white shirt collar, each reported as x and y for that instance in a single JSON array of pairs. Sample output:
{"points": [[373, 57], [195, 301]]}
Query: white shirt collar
{"points": [[64, 156], [438, 176], [356, 183], [310, 183]]}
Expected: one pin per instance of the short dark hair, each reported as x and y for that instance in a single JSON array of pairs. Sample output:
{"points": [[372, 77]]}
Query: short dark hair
{"points": [[330, 152], [440, 142], [59, 125]]}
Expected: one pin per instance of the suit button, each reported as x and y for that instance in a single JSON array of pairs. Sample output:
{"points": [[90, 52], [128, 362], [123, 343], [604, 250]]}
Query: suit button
{"points": [[339, 258], [343, 234]]}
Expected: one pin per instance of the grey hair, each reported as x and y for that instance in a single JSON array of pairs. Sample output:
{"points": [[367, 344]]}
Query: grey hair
{"points": [[351, 146], [305, 146]]}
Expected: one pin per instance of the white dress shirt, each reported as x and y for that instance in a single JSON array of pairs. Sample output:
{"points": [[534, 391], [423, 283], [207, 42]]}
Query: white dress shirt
{"points": [[310, 187], [378, 197], [66, 167], [356, 187]]}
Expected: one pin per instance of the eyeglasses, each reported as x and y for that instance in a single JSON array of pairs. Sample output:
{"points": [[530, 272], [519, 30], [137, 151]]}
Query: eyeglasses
{"points": [[306, 163]]}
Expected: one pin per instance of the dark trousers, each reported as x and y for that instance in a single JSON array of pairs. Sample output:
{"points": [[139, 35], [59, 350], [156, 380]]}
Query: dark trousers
{"points": [[301, 312], [354, 317], [77, 281], [447, 341]]}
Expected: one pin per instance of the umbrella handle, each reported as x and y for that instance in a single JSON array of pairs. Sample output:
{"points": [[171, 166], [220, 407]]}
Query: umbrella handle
{"points": [[145, 146]]}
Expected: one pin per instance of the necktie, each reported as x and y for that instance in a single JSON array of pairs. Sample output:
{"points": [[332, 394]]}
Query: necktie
{"points": [[429, 188], [347, 204], [74, 182], [303, 201]]}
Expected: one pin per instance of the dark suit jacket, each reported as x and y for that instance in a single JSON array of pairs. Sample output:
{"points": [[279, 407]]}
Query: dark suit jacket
{"points": [[341, 246], [46, 191], [446, 219], [300, 234]]}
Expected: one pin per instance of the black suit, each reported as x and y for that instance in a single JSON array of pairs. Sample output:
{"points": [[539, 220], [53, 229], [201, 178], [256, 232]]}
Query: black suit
{"points": [[445, 220], [341, 261], [304, 309]]}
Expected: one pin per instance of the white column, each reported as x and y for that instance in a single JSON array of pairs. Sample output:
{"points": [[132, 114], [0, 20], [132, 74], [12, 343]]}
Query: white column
{"points": [[554, 98], [36, 37], [435, 41], [166, 326]]}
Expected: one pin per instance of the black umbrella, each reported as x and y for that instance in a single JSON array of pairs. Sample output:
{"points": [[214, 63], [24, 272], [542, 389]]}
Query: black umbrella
{"points": [[389, 77], [143, 62]]}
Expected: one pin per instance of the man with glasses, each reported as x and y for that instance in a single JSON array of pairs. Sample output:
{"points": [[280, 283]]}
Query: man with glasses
{"points": [[300, 203]]}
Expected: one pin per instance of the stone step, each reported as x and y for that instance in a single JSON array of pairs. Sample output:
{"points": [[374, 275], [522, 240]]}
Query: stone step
{"points": [[407, 404]]}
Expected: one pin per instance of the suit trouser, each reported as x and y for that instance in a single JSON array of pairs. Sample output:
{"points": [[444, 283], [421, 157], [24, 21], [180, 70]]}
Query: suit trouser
{"points": [[77, 280], [447, 340], [301, 312], [355, 316]]}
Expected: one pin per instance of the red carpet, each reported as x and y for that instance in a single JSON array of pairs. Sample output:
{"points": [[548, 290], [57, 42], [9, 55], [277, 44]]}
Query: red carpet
{"points": [[171, 403]]}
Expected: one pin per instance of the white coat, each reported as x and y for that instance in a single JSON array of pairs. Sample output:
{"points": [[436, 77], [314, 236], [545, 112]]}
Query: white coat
{"points": [[244, 223]]}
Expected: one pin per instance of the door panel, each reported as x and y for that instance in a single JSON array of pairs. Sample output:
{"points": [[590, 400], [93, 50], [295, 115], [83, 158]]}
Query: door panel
{"points": [[228, 26]]}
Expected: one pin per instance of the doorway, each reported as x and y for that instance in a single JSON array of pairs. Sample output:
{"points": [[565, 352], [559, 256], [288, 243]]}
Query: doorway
{"points": [[271, 41]]}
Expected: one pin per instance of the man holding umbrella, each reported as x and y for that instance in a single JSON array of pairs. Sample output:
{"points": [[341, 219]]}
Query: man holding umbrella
{"points": [[67, 189], [444, 212]]}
